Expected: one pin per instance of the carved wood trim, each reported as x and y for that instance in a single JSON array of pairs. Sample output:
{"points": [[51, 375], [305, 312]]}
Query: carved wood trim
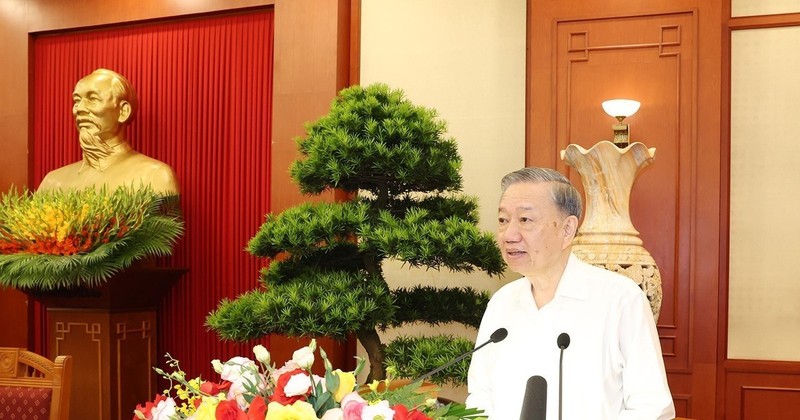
{"points": [[64, 331], [668, 42]]}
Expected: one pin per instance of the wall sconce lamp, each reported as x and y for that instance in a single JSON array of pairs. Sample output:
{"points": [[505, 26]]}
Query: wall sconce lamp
{"points": [[621, 109]]}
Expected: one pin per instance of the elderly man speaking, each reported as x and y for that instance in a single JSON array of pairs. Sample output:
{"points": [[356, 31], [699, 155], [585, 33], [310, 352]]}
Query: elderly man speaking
{"points": [[612, 367]]}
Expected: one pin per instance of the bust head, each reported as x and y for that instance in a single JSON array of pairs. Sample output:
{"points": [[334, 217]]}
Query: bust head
{"points": [[103, 103]]}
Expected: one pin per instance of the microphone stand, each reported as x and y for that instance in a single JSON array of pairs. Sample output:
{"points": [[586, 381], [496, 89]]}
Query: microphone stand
{"points": [[560, 377], [499, 335], [563, 343]]}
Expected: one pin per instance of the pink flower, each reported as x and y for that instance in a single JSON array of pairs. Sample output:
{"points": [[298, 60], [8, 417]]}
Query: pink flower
{"points": [[353, 396], [352, 406]]}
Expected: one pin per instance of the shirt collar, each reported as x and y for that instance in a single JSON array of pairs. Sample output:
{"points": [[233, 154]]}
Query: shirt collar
{"points": [[573, 283]]}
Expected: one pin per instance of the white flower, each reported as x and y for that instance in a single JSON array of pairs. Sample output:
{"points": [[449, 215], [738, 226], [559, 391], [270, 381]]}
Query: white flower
{"points": [[262, 354], [304, 357], [298, 385], [244, 384], [379, 411], [236, 367], [288, 367], [217, 365], [164, 410]]}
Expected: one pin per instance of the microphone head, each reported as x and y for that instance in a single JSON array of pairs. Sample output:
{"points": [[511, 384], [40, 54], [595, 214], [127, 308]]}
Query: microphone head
{"points": [[563, 340], [534, 404], [499, 335]]}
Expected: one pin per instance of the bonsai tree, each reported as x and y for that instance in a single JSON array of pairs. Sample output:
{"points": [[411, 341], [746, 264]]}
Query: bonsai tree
{"points": [[404, 177]]}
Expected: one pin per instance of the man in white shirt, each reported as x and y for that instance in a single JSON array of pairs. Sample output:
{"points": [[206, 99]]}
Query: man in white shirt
{"points": [[613, 368]]}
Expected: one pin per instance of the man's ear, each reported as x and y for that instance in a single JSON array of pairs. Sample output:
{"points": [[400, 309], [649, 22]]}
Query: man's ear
{"points": [[124, 111], [570, 229]]}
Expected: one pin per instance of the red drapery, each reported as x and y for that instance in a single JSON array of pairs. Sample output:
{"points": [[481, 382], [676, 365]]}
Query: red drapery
{"points": [[205, 93]]}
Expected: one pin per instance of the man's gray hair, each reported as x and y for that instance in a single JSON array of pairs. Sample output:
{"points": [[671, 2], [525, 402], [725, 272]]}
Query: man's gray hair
{"points": [[565, 196], [121, 88]]}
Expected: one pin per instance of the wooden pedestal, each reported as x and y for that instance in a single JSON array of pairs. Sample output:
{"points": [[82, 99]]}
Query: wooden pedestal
{"points": [[111, 332]]}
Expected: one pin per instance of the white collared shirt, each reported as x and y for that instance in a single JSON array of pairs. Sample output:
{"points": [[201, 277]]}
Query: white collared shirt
{"points": [[612, 369]]}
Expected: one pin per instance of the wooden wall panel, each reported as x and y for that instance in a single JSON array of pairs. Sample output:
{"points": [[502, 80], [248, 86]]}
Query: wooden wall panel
{"points": [[668, 58], [762, 390], [651, 59]]}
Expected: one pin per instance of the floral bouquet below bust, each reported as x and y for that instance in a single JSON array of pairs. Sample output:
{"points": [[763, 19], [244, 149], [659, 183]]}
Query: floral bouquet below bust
{"points": [[74, 238], [257, 390]]}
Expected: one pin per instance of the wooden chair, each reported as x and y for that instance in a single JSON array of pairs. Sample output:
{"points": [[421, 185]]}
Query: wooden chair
{"points": [[32, 386]]}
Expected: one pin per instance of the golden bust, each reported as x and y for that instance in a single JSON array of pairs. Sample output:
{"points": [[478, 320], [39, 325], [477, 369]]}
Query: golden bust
{"points": [[104, 102]]}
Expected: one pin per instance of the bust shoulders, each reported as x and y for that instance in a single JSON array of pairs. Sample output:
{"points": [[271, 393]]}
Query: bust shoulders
{"points": [[131, 168]]}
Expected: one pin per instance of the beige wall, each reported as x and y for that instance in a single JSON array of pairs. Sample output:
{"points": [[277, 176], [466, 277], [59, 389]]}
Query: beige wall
{"points": [[763, 313], [466, 59], [763, 7]]}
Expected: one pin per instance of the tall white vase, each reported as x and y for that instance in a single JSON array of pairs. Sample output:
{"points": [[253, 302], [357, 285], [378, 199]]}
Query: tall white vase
{"points": [[606, 237]]}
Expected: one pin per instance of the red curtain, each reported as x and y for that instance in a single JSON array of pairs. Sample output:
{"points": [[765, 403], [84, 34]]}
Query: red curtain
{"points": [[205, 96]]}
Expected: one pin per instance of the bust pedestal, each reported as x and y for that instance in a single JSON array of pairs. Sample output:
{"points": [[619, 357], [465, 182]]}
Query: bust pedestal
{"points": [[606, 237], [111, 333]]}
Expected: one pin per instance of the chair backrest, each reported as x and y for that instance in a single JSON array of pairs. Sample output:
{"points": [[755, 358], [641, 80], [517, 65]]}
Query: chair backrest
{"points": [[32, 386]]}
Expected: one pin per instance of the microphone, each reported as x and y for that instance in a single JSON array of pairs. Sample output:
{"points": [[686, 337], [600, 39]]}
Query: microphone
{"points": [[499, 335], [534, 405], [563, 343]]}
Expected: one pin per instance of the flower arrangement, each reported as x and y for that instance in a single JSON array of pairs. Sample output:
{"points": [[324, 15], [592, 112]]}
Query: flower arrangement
{"points": [[257, 390], [65, 239]]}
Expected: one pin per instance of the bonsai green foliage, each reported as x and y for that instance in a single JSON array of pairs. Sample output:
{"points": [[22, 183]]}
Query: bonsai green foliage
{"points": [[329, 279], [439, 306], [413, 357]]}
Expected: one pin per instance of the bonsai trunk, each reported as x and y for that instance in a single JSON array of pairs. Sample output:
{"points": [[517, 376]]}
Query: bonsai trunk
{"points": [[372, 344]]}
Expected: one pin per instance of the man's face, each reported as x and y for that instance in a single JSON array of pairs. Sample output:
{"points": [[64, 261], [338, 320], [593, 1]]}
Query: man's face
{"points": [[94, 107], [533, 233]]}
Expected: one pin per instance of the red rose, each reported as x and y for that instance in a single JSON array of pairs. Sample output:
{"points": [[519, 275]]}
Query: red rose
{"points": [[402, 413], [258, 409], [229, 410], [280, 396], [149, 406], [213, 388]]}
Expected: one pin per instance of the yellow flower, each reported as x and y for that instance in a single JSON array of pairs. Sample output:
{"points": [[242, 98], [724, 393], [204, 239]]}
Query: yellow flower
{"points": [[347, 381], [207, 409], [300, 410], [374, 385]]}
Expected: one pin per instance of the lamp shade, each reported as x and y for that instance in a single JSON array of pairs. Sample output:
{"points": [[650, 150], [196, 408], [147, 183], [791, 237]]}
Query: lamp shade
{"points": [[620, 107]]}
